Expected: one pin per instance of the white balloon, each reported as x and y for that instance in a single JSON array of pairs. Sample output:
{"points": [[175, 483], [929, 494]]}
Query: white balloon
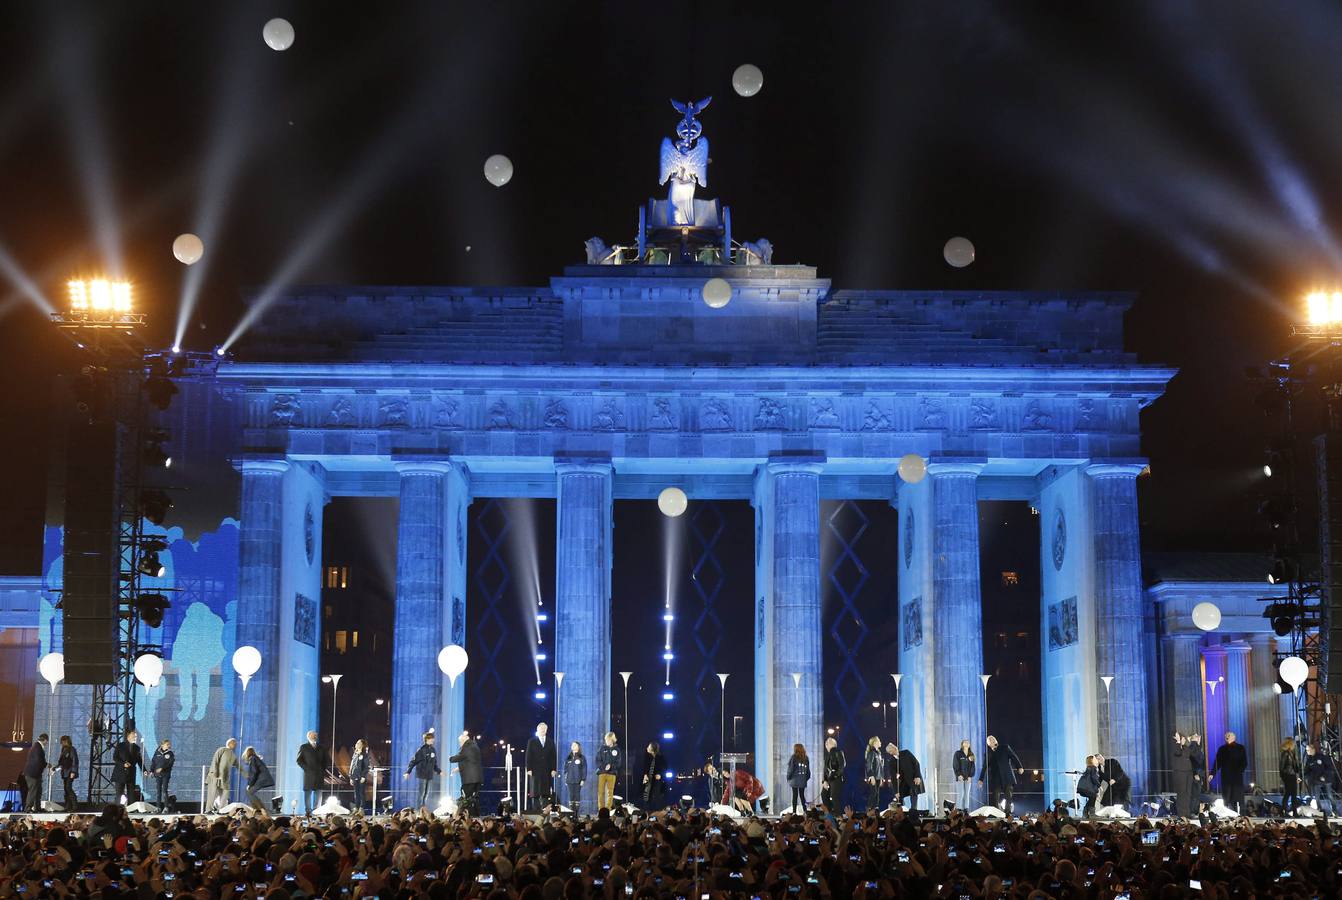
{"points": [[717, 292], [959, 252], [1207, 616], [188, 248], [149, 669], [672, 501], [278, 34], [246, 661], [747, 80], [1294, 671], [912, 468], [452, 660], [52, 668], [498, 170]]}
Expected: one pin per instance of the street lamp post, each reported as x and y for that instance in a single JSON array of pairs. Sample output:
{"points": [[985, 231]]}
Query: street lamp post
{"points": [[626, 676], [722, 713]]}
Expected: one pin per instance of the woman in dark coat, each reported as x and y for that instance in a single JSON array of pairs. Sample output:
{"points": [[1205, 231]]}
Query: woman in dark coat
{"points": [[575, 774], [798, 776], [68, 763], [1090, 785], [1289, 769], [654, 777], [962, 764], [873, 772], [360, 768], [258, 777], [1181, 764]]}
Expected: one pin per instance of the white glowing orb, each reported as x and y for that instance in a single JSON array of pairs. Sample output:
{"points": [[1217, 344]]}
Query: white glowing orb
{"points": [[278, 34], [912, 468], [747, 80], [958, 252], [246, 662], [1207, 616], [452, 660], [188, 248], [717, 292], [1294, 671], [672, 501], [149, 669], [498, 170], [52, 668]]}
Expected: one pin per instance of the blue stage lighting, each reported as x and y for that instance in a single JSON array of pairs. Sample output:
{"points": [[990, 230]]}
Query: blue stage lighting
{"points": [[667, 695], [668, 617], [540, 657], [539, 695], [668, 736], [668, 656], [542, 617]]}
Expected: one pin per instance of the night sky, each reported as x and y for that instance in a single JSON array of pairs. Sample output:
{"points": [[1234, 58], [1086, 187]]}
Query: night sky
{"points": [[1185, 151]]}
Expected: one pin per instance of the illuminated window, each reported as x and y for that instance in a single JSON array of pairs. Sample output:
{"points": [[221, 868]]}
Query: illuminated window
{"points": [[354, 640], [337, 577], [1010, 579], [344, 577], [341, 641], [326, 610]]}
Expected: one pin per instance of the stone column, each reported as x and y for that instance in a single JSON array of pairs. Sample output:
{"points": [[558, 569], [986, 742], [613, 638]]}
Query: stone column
{"points": [[957, 619], [1264, 708], [1123, 723], [424, 562], [1214, 658], [582, 601], [792, 516], [1237, 700], [1182, 657], [256, 711]]}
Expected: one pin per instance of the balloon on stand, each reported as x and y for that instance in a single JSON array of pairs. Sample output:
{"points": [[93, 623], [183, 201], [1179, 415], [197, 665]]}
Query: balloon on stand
{"points": [[747, 80], [149, 669], [912, 468], [498, 170], [278, 34], [1207, 616], [958, 252], [246, 662], [1294, 671], [188, 248], [717, 292], [672, 501], [452, 660], [52, 668]]}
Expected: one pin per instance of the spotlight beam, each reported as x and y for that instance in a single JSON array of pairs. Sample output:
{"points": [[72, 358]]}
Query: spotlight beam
{"points": [[27, 289]]}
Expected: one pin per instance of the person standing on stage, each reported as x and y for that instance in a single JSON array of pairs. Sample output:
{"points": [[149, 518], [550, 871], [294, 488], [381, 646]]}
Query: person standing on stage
{"points": [[832, 776], [962, 765], [609, 762], [1119, 791], [654, 777], [716, 782], [1289, 769], [161, 768], [360, 767], [313, 760], [1319, 774], [798, 776], [258, 778], [1197, 756], [542, 762], [1001, 765], [34, 770], [68, 763], [1181, 764], [1090, 785], [873, 770], [1231, 761], [225, 758], [425, 765], [471, 771], [575, 775], [907, 774], [126, 758]]}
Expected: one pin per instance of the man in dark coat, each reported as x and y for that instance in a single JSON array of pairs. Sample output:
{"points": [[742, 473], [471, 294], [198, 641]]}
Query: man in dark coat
{"points": [[907, 775], [832, 776], [472, 773], [542, 762], [425, 765], [1120, 786], [1319, 773], [126, 758], [34, 770], [313, 760], [1001, 765], [1090, 785], [258, 779], [1231, 761]]}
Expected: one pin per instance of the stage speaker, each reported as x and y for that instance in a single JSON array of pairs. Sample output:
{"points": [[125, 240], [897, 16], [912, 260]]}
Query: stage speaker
{"points": [[91, 567]]}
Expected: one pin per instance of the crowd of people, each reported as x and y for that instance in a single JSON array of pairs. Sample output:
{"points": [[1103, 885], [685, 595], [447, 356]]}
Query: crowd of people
{"points": [[671, 854]]}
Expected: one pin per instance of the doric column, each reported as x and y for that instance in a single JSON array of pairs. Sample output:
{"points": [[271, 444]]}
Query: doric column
{"points": [[1181, 654], [1214, 684], [256, 711], [1237, 698], [1123, 723], [1264, 708], [428, 565], [582, 600], [956, 618]]}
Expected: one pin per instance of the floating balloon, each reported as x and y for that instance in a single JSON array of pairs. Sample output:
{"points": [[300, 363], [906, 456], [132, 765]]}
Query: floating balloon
{"points": [[246, 662], [52, 668], [717, 292], [959, 252], [278, 34], [452, 660], [1294, 671], [912, 468], [747, 80], [498, 170], [1207, 616], [187, 248], [672, 501], [149, 669]]}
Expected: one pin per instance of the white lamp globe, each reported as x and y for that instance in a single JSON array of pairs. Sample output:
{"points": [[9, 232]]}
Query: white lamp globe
{"points": [[747, 80], [149, 669], [452, 660], [498, 170], [958, 252], [188, 248], [912, 468], [278, 34], [717, 292], [672, 501], [1294, 671], [52, 668], [246, 662], [1207, 616]]}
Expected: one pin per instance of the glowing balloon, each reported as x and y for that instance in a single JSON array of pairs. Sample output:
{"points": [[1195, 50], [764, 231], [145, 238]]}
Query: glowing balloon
{"points": [[52, 668], [452, 660], [149, 669], [747, 80], [672, 501], [959, 252], [246, 662], [278, 34], [498, 170], [1294, 671], [717, 292], [187, 248], [1207, 616], [912, 468]]}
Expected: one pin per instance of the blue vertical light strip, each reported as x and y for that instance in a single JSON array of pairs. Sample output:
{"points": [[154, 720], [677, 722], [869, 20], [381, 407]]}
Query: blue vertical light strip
{"points": [[488, 637], [846, 576], [707, 526]]}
